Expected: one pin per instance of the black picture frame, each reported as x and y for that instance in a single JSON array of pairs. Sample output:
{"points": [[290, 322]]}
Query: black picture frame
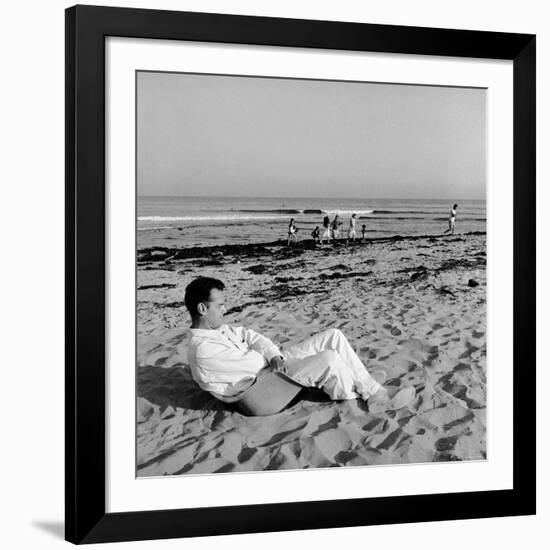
{"points": [[85, 516]]}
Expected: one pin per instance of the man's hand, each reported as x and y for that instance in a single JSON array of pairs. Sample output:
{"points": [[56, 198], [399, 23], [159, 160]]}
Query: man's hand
{"points": [[276, 362]]}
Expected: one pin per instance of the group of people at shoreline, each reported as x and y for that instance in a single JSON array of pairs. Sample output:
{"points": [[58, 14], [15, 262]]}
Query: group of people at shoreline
{"points": [[332, 230]]}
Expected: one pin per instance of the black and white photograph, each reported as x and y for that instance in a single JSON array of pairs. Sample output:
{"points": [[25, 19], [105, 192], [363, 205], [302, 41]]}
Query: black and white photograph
{"points": [[275, 274], [311, 274]]}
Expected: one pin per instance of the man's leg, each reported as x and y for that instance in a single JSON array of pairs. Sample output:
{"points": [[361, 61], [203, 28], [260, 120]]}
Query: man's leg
{"points": [[345, 360], [324, 370]]}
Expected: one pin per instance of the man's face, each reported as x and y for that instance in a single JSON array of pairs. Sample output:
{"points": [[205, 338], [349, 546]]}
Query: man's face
{"points": [[213, 311]]}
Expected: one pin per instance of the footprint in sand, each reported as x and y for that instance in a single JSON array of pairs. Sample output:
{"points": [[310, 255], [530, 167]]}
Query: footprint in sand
{"points": [[376, 425], [470, 349], [145, 410], [246, 454], [461, 385], [404, 363], [332, 442], [386, 441], [368, 352], [343, 457], [446, 443]]}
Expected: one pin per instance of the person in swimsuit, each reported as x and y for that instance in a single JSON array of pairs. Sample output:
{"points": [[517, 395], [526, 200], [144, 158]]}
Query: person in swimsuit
{"points": [[292, 232], [326, 230], [335, 226], [352, 233], [452, 219]]}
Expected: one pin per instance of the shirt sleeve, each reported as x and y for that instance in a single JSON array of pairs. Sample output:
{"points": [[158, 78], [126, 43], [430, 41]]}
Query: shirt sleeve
{"points": [[258, 343]]}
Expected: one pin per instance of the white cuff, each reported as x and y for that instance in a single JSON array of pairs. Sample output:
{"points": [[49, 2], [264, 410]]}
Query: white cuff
{"points": [[271, 353]]}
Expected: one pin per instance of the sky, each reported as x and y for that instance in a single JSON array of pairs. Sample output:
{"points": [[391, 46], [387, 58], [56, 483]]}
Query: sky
{"points": [[233, 136]]}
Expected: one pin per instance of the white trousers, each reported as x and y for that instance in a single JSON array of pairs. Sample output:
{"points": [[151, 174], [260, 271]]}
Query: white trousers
{"points": [[328, 361]]}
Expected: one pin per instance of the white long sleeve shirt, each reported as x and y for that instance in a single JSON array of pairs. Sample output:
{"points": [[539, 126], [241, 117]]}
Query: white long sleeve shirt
{"points": [[226, 361]]}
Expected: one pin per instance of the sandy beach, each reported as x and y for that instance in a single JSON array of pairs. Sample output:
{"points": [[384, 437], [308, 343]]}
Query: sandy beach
{"points": [[414, 307]]}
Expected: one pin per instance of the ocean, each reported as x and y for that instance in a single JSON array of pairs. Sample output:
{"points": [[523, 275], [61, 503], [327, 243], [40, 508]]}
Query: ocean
{"points": [[206, 221]]}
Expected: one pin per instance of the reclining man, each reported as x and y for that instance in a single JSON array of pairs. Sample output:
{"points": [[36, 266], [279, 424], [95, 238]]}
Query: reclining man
{"points": [[226, 360]]}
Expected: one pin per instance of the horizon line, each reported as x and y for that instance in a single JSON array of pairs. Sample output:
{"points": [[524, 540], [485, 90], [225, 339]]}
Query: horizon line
{"points": [[309, 198]]}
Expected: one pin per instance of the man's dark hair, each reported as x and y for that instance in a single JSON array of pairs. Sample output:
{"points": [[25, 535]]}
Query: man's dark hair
{"points": [[199, 291]]}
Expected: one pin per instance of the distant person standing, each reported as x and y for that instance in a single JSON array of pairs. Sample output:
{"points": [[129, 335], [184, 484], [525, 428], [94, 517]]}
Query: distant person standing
{"points": [[363, 232], [452, 220], [326, 230], [334, 227], [352, 233], [292, 230]]}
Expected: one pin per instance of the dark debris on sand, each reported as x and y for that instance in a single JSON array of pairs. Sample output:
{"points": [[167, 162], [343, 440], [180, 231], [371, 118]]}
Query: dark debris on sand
{"points": [[164, 285], [277, 250], [239, 308], [462, 263], [285, 264], [339, 275]]}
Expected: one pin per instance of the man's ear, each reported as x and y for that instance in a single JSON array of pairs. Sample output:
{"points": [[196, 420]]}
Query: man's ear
{"points": [[201, 308]]}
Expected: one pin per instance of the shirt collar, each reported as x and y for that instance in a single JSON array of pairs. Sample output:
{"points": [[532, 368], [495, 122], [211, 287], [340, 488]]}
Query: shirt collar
{"points": [[207, 331]]}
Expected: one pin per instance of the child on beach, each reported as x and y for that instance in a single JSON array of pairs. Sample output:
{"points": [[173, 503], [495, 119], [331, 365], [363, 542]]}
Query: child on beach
{"points": [[363, 232], [326, 229], [452, 219], [292, 229], [316, 234], [351, 233], [334, 227]]}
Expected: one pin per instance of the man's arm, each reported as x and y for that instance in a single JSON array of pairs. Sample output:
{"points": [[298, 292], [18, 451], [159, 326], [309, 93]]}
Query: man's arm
{"points": [[258, 343]]}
